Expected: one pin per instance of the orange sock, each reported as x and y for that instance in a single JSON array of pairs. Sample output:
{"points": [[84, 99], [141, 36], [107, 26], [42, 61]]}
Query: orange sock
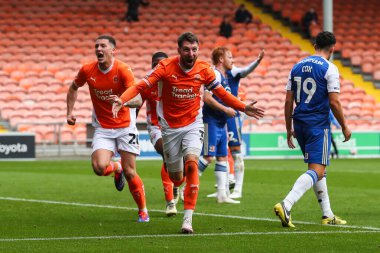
{"points": [[136, 187], [192, 185], [113, 166], [167, 183]]}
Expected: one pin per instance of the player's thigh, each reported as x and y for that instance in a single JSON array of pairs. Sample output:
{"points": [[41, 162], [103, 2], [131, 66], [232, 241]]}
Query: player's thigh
{"points": [[317, 147], [234, 131], [103, 148], [172, 145], [209, 140], [300, 136], [193, 140], [222, 147], [103, 139], [127, 139], [154, 134]]}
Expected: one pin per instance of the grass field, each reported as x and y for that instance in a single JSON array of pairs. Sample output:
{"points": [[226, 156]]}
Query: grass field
{"points": [[61, 206]]}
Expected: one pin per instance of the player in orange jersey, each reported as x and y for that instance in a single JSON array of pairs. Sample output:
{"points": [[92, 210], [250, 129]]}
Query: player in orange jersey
{"points": [[180, 113], [154, 129], [109, 76]]}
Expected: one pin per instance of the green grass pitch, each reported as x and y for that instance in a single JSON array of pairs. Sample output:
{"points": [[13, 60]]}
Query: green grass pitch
{"points": [[62, 206]]}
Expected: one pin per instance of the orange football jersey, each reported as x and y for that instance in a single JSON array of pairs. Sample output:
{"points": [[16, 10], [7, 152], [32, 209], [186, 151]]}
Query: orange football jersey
{"points": [[113, 81], [179, 92], [151, 97]]}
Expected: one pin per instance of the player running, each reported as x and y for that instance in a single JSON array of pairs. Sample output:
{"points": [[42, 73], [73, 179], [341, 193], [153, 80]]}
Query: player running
{"points": [[180, 114], [110, 76]]}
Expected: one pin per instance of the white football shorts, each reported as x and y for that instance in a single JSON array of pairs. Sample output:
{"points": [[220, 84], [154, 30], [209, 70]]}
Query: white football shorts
{"points": [[125, 139], [154, 133], [179, 142]]}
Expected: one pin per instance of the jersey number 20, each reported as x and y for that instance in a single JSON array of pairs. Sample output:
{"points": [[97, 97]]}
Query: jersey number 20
{"points": [[309, 92]]}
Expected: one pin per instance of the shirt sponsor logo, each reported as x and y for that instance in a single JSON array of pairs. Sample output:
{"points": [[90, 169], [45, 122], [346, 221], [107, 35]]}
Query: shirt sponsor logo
{"points": [[186, 93], [102, 94]]}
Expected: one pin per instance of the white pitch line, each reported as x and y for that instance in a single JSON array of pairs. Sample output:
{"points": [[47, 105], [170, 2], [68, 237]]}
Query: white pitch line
{"points": [[161, 211], [182, 235]]}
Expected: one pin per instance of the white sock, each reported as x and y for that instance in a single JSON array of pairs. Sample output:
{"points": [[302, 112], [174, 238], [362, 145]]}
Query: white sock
{"points": [[302, 184], [221, 177], [239, 172], [202, 165], [320, 190], [188, 213]]}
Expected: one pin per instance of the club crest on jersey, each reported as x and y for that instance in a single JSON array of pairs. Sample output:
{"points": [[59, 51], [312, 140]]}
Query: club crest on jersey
{"points": [[115, 79], [212, 149], [197, 77]]}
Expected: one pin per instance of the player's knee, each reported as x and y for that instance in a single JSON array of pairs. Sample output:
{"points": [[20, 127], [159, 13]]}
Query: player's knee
{"points": [[99, 168], [191, 166], [129, 173], [176, 177]]}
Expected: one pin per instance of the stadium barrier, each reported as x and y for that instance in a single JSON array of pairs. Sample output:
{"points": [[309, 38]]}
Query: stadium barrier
{"points": [[256, 145], [17, 146]]}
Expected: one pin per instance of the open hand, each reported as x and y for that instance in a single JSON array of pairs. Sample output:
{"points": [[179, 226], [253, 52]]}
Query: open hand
{"points": [[253, 111], [117, 104]]}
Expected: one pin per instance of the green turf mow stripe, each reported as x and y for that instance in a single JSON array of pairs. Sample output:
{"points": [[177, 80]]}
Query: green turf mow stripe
{"points": [[182, 235], [161, 211]]}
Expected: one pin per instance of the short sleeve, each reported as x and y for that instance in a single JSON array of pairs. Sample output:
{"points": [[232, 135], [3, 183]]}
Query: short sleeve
{"points": [[155, 75], [81, 77], [210, 79], [127, 75], [332, 78]]}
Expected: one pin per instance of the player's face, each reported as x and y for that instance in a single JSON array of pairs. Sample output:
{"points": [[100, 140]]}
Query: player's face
{"points": [[188, 53], [104, 51], [156, 61], [228, 60]]}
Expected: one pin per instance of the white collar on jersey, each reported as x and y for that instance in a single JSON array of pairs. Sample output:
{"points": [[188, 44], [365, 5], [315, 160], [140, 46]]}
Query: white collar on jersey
{"points": [[107, 70]]}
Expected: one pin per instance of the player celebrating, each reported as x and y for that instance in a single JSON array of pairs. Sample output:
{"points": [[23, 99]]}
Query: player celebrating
{"points": [[314, 86], [180, 114], [154, 129], [110, 76], [215, 115], [234, 124]]}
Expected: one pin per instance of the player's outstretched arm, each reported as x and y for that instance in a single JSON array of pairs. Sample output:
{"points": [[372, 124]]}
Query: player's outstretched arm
{"points": [[337, 110], [232, 101], [71, 97], [253, 111], [210, 101], [126, 97], [245, 71], [135, 102]]}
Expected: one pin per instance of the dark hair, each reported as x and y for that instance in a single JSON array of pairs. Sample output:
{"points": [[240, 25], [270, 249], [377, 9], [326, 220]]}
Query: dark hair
{"points": [[217, 53], [159, 55], [324, 40], [187, 36], [109, 38]]}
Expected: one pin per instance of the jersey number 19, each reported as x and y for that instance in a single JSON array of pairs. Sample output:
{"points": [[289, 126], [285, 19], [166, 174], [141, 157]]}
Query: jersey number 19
{"points": [[309, 92]]}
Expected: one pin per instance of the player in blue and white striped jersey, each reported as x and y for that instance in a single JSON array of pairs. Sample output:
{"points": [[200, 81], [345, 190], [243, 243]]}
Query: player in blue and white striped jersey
{"points": [[314, 86], [215, 115], [234, 124]]}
